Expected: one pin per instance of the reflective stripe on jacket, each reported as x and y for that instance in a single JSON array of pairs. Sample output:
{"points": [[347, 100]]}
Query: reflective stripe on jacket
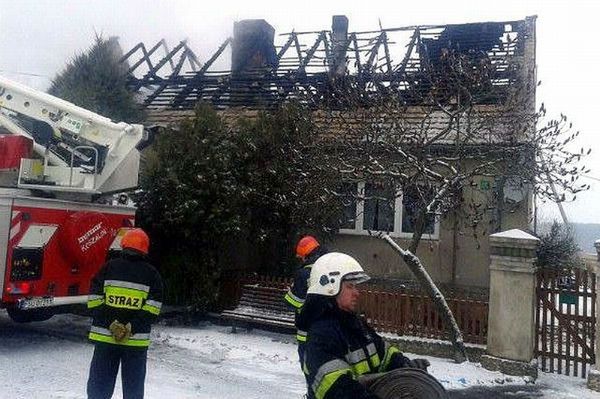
{"points": [[341, 347], [296, 296], [297, 292], [127, 289]]}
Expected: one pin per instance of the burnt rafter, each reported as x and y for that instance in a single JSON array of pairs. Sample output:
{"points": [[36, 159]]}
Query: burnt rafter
{"points": [[196, 82], [413, 41], [310, 53], [178, 56], [373, 51], [168, 58], [176, 70], [301, 64], [292, 39]]}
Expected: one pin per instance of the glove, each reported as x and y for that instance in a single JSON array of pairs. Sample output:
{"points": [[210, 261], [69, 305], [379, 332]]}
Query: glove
{"points": [[419, 364], [127, 332], [119, 331]]}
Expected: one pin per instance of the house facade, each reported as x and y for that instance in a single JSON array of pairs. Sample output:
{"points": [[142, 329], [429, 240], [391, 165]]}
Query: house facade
{"points": [[258, 70]]}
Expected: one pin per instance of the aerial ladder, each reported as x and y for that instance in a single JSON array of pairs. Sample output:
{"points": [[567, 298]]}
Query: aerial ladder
{"points": [[60, 169]]}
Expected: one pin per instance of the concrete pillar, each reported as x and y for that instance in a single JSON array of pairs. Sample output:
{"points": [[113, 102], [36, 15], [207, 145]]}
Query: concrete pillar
{"points": [[593, 382], [512, 307]]}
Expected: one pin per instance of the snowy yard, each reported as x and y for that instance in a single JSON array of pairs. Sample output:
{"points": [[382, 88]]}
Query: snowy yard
{"points": [[51, 359]]}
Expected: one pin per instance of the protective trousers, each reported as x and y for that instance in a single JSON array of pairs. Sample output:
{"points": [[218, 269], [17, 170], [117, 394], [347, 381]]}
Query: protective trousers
{"points": [[105, 366]]}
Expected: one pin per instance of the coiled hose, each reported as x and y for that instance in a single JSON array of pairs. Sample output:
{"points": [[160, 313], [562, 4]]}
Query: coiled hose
{"points": [[407, 383]]}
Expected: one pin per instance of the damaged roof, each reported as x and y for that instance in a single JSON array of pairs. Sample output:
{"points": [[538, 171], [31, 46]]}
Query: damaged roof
{"points": [[258, 69]]}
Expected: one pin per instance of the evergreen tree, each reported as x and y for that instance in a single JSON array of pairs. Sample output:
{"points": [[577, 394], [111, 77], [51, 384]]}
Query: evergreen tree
{"points": [[218, 194], [97, 80], [558, 249]]}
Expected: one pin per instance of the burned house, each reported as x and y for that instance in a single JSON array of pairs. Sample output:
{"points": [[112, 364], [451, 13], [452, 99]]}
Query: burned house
{"points": [[259, 70]]}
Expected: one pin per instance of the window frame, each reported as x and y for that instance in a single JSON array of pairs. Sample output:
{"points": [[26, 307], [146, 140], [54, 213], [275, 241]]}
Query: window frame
{"points": [[398, 214]]}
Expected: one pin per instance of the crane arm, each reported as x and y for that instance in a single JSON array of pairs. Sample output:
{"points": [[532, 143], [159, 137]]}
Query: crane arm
{"points": [[81, 150]]}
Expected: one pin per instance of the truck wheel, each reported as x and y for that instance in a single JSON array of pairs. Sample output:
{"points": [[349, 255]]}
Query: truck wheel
{"points": [[27, 316]]}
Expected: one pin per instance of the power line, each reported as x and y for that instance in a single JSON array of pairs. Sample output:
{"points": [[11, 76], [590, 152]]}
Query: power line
{"points": [[591, 177], [26, 74]]}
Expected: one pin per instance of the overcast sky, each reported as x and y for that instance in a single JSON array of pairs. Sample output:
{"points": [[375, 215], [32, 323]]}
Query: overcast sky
{"points": [[37, 37]]}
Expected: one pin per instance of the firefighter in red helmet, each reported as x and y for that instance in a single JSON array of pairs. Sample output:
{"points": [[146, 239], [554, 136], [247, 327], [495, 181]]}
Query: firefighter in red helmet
{"points": [[308, 250], [125, 298]]}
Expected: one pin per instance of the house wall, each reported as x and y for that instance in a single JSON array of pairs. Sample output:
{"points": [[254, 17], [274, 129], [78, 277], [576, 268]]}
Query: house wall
{"points": [[456, 256]]}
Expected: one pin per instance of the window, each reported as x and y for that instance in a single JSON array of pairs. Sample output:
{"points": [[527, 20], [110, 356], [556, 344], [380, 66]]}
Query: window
{"points": [[410, 204], [379, 204], [349, 192], [370, 206]]}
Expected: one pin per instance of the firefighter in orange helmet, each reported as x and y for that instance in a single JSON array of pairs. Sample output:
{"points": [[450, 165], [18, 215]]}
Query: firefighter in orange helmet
{"points": [[125, 298], [308, 250]]}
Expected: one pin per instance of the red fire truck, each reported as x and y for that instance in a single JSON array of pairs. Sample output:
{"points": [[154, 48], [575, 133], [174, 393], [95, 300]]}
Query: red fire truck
{"points": [[61, 167]]}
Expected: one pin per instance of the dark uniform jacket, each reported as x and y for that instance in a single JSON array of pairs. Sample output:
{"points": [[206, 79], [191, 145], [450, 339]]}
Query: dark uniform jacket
{"points": [[340, 347], [296, 295], [127, 289]]}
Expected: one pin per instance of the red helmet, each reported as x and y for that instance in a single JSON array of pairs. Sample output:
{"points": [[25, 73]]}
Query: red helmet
{"points": [[306, 245], [136, 239]]}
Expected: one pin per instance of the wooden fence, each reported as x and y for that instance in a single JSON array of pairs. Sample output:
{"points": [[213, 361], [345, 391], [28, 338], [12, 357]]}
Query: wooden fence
{"points": [[415, 314], [402, 313], [566, 319]]}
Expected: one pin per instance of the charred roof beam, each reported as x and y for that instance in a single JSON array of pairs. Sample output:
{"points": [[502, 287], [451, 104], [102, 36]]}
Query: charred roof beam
{"points": [[286, 46], [374, 51], [195, 83], [174, 74], [152, 72], [145, 55], [310, 53]]}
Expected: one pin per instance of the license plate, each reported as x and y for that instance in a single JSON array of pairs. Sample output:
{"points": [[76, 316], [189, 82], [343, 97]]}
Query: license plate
{"points": [[38, 302]]}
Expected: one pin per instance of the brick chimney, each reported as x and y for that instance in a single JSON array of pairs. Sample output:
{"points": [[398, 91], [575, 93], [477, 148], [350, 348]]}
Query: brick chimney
{"points": [[252, 47], [339, 39]]}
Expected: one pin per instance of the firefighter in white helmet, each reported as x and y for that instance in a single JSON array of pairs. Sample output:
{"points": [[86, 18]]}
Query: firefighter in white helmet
{"points": [[340, 346]]}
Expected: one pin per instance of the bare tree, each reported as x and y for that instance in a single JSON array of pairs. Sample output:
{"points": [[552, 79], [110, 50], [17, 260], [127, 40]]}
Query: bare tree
{"points": [[431, 141]]}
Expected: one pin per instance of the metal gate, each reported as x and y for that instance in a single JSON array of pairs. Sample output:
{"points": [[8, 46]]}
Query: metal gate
{"points": [[565, 321]]}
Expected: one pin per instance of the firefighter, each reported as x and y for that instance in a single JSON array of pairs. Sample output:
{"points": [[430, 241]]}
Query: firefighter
{"points": [[125, 298], [340, 346], [308, 250]]}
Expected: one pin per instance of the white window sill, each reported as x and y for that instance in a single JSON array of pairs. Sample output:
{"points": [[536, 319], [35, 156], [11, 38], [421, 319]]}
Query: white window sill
{"points": [[407, 236]]}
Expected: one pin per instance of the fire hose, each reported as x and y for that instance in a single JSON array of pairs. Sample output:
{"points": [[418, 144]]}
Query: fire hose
{"points": [[405, 383]]}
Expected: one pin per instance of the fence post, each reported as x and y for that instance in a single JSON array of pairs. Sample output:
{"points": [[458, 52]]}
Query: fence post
{"points": [[512, 307], [593, 381]]}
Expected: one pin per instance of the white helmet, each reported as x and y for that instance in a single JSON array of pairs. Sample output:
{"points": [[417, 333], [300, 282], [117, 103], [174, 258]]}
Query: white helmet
{"points": [[329, 270]]}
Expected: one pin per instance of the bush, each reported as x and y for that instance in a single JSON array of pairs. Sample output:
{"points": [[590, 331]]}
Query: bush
{"points": [[221, 196], [558, 249]]}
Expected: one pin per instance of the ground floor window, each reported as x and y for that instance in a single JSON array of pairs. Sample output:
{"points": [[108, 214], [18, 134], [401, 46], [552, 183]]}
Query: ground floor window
{"points": [[374, 206]]}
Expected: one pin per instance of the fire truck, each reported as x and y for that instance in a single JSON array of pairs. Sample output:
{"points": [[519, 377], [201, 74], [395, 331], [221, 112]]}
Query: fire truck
{"points": [[61, 168]]}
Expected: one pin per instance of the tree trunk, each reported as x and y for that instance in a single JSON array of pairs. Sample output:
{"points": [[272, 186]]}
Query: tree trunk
{"points": [[416, 267]]}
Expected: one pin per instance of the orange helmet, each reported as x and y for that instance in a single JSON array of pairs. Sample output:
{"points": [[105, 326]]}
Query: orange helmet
{"points": [[136, 239], [306, 245]]}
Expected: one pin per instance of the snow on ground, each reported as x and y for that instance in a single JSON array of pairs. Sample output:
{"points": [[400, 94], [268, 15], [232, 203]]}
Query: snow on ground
{"points": [[51, 360]]}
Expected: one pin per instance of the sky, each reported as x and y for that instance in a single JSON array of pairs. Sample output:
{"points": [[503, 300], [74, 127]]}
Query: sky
{"points": [[37, 38]]}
